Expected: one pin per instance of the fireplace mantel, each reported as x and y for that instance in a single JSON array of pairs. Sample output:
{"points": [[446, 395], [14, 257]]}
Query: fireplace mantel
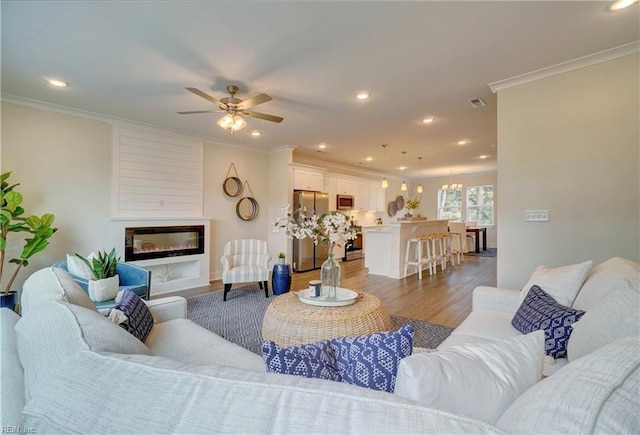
{"points": [[170, 273]]}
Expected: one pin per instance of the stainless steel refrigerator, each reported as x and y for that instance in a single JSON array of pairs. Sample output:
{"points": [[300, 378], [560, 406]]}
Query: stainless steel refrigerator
{"points": [[306, 254]]}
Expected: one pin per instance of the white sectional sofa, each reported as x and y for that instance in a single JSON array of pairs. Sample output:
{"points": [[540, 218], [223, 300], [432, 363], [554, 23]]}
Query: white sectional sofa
{"points": [[67, 369]]}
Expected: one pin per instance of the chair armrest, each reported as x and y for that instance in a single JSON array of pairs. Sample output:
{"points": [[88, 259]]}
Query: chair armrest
{"points": [[263, 260], [169, 308], [495, 299], [226, 262]]}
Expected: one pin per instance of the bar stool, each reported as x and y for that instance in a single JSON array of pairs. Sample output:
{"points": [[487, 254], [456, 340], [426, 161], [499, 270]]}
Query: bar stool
{"points": [[427, 253], [456, 247], [418, 259], [446, 249], [437, 251]]}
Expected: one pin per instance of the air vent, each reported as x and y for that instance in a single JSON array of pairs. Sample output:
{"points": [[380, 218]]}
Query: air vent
{"points": [[477, 102]]}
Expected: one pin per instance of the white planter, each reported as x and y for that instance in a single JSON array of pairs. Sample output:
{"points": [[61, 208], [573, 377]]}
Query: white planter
{"points": [[104, 289]]}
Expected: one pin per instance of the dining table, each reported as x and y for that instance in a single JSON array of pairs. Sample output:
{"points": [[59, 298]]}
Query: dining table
{"points": [[477, 231]]}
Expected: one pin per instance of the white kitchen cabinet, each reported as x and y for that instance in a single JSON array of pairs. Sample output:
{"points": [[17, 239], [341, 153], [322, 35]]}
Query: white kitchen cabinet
{"points": [[362, 196], [304, 179], [331, 188], [346, 187]]}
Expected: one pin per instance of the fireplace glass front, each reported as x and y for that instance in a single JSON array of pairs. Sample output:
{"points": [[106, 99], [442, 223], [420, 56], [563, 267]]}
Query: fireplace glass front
{"points": [[145, 243]]}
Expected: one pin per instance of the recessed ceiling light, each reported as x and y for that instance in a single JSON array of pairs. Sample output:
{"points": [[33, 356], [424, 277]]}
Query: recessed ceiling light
{"points": [[402, 168], [57, 83], [255, 133], [363, 95], [369, 158], [621, 4], [428, 120], [322, 145], [462, 142], [484, 156]]}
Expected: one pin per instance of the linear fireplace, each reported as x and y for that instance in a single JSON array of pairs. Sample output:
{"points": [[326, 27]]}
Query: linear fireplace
{"points": [[144, 243]]}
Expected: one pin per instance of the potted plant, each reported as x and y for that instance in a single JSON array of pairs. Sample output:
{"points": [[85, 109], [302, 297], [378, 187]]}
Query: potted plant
{"points": [[104, 282], [281, 257], [39, 232]]}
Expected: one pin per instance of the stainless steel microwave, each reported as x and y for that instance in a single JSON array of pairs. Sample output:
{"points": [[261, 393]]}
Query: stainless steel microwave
{"points": [[344, 202]]}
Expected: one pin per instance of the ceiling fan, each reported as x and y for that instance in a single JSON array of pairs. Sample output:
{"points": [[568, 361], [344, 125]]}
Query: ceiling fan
{"points": [[234, 107]]}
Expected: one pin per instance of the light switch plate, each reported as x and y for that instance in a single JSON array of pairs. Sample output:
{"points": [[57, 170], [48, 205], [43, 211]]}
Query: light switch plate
{"points": [[536, 215]]}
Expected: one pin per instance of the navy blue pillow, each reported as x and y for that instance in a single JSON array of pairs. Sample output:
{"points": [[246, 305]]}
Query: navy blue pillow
{"points": [[372, 360], [132, 314], [540, 311], [368, 361], [315, 360]]}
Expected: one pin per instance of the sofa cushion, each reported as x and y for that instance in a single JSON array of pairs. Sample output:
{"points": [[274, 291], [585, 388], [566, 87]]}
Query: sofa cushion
{"points": [[594, 394], [173, 398], [540, 311], [479, 380], [483, 324], [604, 279], [52, 284], [183, 340], [312, 360], [616, 316], [132, 314], [369, 361], [562, 283], [51, 333], [12, 390]]}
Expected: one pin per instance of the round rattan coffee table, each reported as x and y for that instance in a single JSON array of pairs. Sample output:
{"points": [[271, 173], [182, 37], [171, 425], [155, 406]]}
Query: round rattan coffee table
{"points": [[288, 321]]}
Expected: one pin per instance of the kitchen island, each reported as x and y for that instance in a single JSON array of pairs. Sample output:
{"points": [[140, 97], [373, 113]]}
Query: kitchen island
{"points": [[385, 247]]}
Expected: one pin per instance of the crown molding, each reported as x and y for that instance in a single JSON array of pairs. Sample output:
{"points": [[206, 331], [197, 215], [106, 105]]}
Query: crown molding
{"points": [[119, 121], [571, 65]]}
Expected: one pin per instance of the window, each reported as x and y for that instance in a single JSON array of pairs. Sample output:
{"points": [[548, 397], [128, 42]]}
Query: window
{"points": [[450, 204], [480, 204]]}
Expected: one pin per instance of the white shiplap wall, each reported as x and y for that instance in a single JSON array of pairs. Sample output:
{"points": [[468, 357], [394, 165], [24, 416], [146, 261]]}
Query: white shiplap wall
{"points": [[156, 174]]}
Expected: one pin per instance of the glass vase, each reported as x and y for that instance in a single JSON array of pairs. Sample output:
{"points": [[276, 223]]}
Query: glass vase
{"points": [[330, 278]]}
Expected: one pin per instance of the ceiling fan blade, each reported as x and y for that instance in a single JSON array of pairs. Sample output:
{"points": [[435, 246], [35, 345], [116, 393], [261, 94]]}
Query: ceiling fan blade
{"points": [[254, 101], [207, 97], [264, 116], [190, 112]]}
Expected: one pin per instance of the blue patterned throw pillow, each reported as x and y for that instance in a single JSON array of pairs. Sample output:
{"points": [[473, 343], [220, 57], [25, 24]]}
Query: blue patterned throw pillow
{"points": [[540, 311], [315, 360], [372, 360], [132, 314], [368, 361]]}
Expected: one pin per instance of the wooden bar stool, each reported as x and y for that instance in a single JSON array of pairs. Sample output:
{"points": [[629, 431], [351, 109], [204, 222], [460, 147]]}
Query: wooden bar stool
{"points": [[416, 258], [427, 253], [437, 251]]}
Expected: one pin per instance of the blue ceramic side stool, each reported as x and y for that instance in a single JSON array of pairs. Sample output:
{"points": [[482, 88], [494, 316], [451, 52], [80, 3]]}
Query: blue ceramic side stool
{"points": [[281, 279]]}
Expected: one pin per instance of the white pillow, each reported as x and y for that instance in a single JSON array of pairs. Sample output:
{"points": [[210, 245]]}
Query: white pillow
{"points": [[561, 283], [480, 380], [77, 267]]}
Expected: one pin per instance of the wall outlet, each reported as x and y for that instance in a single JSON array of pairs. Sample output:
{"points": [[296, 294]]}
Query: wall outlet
{"points": [[536, 215]]}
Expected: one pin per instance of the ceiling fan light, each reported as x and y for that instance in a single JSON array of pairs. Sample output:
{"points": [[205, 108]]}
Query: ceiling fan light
{"points": [[419, 188], [226, 121], [238, 123], [385, 183], [403, 187]]}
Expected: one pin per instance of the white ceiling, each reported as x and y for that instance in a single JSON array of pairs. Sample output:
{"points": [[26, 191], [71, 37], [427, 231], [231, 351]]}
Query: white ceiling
{"points": [[133, 59]]}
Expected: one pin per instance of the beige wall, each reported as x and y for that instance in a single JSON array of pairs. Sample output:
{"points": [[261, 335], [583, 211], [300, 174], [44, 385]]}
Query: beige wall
{"points": [[63, 163], [569, 144]]}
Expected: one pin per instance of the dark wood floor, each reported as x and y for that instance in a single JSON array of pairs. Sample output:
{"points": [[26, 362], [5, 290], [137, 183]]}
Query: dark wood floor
{"points": [[444, 298]]}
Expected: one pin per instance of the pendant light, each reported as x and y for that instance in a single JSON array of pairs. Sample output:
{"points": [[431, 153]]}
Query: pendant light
{"points": [[403, 187], [419, 188], [451, 186], [385, 183]]}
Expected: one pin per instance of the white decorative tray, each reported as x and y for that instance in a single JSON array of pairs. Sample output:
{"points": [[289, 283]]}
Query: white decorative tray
{"points": [[343, 297]]}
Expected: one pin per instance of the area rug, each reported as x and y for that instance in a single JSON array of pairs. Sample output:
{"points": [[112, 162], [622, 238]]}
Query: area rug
{"points": [[489, 252], [239, 319]]}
